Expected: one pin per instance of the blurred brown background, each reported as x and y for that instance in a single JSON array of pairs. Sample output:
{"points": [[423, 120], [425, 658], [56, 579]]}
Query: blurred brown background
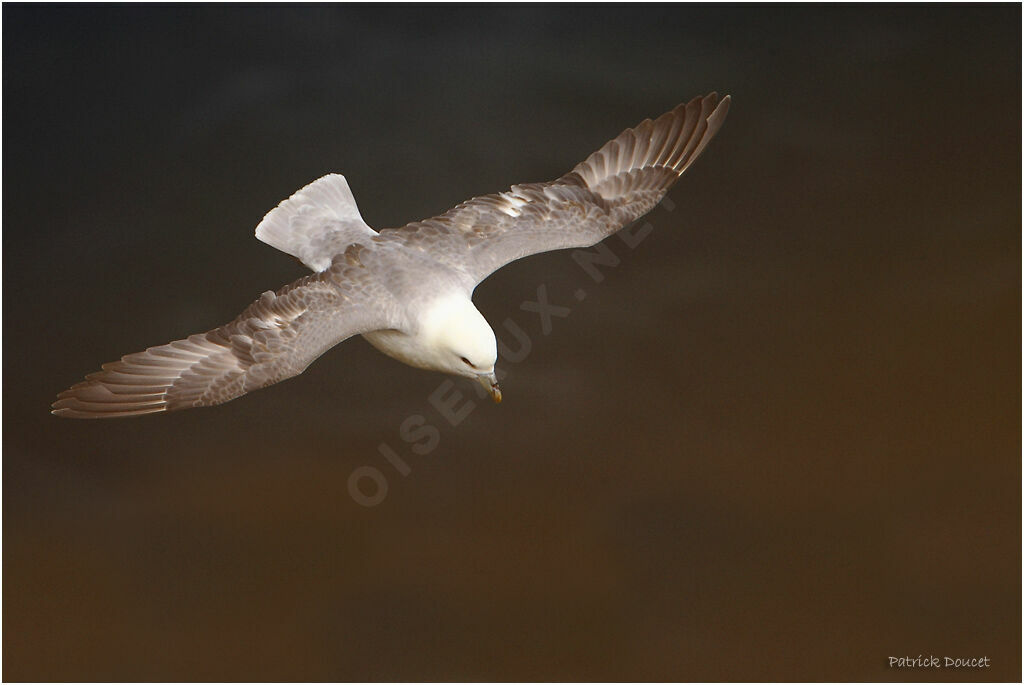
{"points": [[780, 441]]}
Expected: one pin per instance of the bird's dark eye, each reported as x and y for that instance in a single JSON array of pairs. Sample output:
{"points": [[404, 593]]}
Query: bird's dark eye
{"points": [[466, 361]]}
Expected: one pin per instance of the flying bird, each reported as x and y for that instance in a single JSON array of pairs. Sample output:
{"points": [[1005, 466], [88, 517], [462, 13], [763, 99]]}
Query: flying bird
{"points": [[406, 290]]}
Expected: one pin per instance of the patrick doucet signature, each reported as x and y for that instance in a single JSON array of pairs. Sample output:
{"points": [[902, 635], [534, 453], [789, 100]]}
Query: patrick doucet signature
{"points": [[932, 661]]}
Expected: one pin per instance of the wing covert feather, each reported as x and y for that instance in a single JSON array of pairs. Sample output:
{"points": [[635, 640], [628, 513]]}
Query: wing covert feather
{"points": [[275, 338], [613, 187]]}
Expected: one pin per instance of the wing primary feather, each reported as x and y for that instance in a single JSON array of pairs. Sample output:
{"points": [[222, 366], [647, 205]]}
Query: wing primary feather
{"points": [[674, 141], [617, 184], [275, 338]]}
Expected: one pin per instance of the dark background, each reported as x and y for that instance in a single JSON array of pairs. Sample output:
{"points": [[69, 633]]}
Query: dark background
{"points": [[780, 441]]}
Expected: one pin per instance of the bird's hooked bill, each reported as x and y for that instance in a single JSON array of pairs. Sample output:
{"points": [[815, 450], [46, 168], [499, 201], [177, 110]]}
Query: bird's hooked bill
{"points": [[490, 383]]}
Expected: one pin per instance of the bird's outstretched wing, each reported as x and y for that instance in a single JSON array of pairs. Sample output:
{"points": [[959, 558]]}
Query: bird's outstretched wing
{"points": [[275, 338], [613, 187]]}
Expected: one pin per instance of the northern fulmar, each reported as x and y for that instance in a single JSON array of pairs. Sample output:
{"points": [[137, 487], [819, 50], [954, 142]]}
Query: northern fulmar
{"points": [[406, 290]]}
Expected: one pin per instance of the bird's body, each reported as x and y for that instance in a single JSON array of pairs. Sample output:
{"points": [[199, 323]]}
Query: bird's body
{"points": [[407, 291]]}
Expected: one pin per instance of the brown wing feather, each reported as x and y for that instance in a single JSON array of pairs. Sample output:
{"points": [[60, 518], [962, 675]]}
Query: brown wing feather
{"points": [[275, 338], [613, 187]]}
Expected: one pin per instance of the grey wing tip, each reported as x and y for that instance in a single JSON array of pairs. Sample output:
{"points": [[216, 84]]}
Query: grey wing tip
{"points": [[723, 106], [712, 96], [717, 117], [81, 411], [719, 106], [80, 402], [654, 154]]}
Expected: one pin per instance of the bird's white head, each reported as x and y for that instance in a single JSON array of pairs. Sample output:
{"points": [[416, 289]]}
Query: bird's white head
{"points": [[462, 342]]}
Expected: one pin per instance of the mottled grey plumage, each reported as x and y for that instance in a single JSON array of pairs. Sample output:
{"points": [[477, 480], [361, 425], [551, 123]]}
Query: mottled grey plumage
{"points": [[613, 187], [401, 288]]}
